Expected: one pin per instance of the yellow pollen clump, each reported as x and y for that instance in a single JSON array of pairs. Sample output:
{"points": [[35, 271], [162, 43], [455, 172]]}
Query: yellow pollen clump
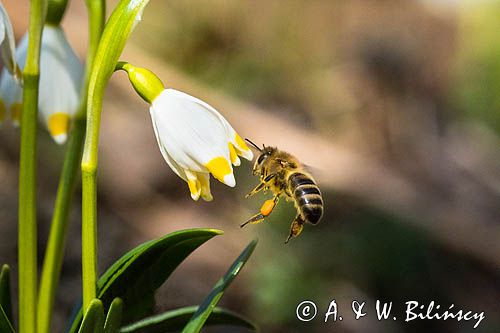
{"points": [[219, 167], [58, 123], [267, 207]]}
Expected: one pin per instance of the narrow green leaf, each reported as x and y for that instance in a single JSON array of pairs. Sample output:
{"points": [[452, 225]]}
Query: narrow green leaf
{"points": [[198, 319], [136, 275], [93, 322], [114, 318], [5, 325], [175, 320], [5, 298]]}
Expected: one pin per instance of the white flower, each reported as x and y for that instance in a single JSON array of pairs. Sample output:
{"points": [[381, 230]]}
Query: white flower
{"points": [[196, 140], [7, 43], [61, 74]]}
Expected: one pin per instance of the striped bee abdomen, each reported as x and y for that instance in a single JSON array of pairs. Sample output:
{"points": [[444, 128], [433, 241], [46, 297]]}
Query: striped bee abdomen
{"points": [[307, 197]]}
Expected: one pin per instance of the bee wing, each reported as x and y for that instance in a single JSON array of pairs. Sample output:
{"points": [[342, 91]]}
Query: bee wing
{"points": [[311, 169]]}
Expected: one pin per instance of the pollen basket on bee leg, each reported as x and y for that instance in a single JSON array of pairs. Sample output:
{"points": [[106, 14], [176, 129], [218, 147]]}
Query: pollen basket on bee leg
{"points": [[267, 207]]}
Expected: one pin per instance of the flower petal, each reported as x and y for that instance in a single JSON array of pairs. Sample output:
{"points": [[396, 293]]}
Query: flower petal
{"points": [[233, 155], [60, 80], [193, 184], [58, 124], [204, 179], [221, 169], [170, 161]]}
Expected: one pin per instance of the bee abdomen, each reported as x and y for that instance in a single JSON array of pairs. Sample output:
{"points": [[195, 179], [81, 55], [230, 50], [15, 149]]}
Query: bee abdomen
{"points": [[307, 197]]}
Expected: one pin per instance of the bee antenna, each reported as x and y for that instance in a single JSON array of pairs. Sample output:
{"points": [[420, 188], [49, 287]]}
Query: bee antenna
{"points": [[253, 144]]}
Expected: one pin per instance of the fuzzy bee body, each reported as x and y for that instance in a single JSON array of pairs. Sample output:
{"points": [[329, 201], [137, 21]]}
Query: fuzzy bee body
{"points": [[283, 174]]}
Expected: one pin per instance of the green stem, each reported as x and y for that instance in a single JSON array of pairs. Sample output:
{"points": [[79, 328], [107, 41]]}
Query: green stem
{"points": [[58, 232], [114, 37], [55, 11], [27, 241], [54, 252]]}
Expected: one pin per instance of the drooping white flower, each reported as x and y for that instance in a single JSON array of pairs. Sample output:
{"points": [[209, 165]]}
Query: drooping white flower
{"points": [[194, 138], [61, 74]]}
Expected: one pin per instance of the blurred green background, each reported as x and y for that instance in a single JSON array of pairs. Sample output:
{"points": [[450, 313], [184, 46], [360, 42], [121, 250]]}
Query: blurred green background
{"points": [[395, 106]]}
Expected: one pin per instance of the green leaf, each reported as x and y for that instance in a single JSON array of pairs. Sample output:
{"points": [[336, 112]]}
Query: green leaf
{"points": [[136, 275], [114, 318], [201, 315], [175, 320], [5, 298], [5, 325], [93, 322]]}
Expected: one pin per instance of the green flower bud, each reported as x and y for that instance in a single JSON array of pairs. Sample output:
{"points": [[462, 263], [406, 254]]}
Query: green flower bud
{"points": [[145, 82]]}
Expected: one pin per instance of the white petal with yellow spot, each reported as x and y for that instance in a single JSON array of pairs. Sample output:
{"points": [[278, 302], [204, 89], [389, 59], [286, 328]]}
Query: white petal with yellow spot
{"points": [[61, 74]]}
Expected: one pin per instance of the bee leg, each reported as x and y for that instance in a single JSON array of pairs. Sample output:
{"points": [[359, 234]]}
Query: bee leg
{"points": [[257, 218], [265, 210], [257, 189], [295, 228], [261, 186]]}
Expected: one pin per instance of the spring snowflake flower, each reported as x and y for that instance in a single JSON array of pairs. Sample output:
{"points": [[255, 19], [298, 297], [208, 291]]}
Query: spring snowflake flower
{"points": [[61, 74], [194, 138]]}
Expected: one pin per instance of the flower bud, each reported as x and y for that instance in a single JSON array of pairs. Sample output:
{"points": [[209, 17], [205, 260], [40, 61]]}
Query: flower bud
{"points": [[145, 82]]}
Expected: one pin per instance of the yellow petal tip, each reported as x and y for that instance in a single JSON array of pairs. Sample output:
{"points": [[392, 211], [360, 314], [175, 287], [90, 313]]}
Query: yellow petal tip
{"points": [[58, 124], [243, 149], [220, 168], [194, 188], [233, 155], [207, 197]]}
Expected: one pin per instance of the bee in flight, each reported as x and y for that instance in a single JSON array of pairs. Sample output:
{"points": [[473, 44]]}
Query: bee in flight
{"points": [[283, 174]]}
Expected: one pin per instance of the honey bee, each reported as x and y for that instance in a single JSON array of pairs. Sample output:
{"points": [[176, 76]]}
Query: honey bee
{"points": [[283, 174]]}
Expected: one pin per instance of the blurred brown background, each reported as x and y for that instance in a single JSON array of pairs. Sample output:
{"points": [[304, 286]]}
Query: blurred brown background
{"points": [[394, 104]]}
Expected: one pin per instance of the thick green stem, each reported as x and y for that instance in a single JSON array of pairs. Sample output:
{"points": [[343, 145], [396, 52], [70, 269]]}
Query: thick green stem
{"points": [[54, 252], [89, 235], [117, 30], [27, 241], [57, 238]]}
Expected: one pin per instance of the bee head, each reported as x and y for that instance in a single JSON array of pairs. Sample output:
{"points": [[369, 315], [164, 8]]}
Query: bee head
{"points": [[265, 153]]}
